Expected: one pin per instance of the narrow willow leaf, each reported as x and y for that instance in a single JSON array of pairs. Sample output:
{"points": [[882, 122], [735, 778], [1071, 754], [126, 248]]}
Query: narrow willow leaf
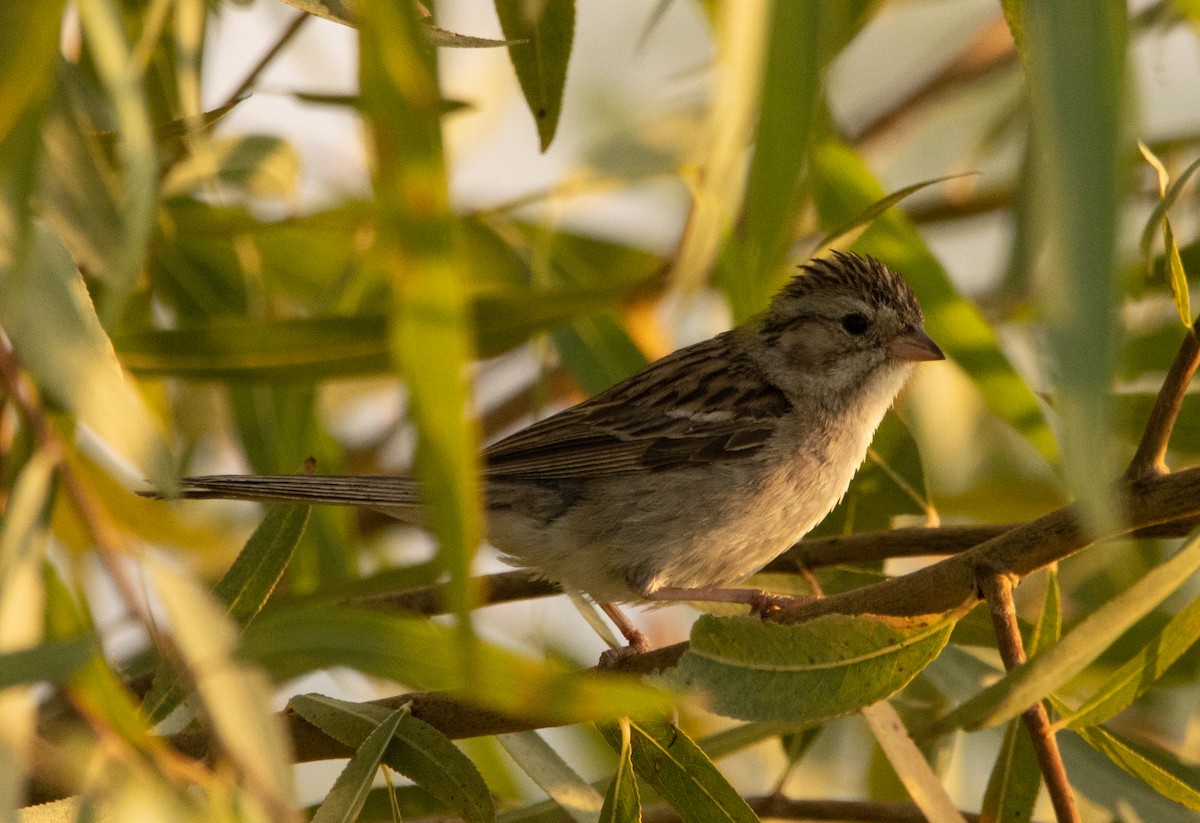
{"points": [[1032, 681], [349, 793], [236, 698], [1075, 65], [1141, 671], [548, 770], [667, 759], [741, 34], [788, 97], [430, 321], [338, 11], [449, 39], [542, 34], [416, 750], [243, 589], [1109, 787], [827, 667], [29, 50], [598, 352], [104, 32], [1161, 771], [48, 316], [1013, 785], [878, 208], [421, 654], [46, 662], [843, 187], [1176, 276], [910, 765], [622, 803]]}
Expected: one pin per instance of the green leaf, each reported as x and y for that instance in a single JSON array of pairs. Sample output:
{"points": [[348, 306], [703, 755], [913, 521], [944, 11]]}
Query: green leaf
{"points": [[540, 60], [339, 11], [259, 164], [548, 770], [1074, 62], [29, 53], [667, 759], [430, 320], [46, 662], [788, 98], [104, 33], [1033, 680], [1013, 785], [755, 670], [843, 187], [622, 803], [236, 698], [1168, 193], [244, 589], [53, 326], [421, 654], [598, 352], [1109, 787], [909, 764], [1141, 671], [1161, 771], [349, 793], [416, 750]]}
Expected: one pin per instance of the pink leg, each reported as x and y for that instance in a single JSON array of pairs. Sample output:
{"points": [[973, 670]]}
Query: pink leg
{"points": [[638, 643]]}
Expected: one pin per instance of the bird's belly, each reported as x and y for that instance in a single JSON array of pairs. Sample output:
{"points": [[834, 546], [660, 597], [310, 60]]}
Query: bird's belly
{"points": [[623, 538]]}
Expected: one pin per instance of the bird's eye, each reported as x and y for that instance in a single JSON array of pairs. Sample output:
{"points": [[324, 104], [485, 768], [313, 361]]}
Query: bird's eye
{"points": [[855, 323]]}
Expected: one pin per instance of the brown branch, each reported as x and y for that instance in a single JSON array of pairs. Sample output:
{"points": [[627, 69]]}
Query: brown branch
{"points": [[1150, 458], [997, 589]]}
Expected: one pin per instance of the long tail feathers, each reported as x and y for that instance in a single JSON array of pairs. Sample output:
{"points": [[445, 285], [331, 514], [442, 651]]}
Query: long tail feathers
{"points": [[375, 491]]}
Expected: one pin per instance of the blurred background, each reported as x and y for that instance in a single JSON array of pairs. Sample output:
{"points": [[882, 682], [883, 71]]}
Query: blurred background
{"points": [[257, 326]]}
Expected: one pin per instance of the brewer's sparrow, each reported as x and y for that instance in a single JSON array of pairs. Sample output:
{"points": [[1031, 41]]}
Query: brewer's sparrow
{"points": [[695, 472]]}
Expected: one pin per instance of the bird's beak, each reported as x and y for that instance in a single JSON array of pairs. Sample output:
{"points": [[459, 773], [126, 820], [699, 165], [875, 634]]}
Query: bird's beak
{"points": [[915, 346]]}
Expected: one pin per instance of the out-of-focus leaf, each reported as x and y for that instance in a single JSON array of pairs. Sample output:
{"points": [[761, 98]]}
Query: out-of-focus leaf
{"points": [[236, 698], [430, 319], [910, 765], [1122, 795], [67, 810], [598, 352], [244, 589], [578, 798], [261, 165], [622, 803], [29, 52], [104, 32], [787, 104], [449, 39], [349, 793], [717, 185], [1161, 771], [891, 482], [843, 187], [416, 750], [1141, 671], [421, 654], [830, 666], [53, 327], [1030, 682], [47, 662], [339, 11], [1074, 62], [541, 36], [667, 759], [1168, 192]]}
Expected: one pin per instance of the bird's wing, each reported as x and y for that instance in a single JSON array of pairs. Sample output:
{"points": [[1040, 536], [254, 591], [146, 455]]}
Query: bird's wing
{"points": [[702, 404]]}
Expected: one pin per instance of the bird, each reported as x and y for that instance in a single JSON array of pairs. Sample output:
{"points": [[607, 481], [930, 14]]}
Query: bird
{"points": [[692, 474]]}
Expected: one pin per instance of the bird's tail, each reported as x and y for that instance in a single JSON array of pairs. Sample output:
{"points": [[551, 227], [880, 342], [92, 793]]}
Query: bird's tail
{"points": [[374, 491]]}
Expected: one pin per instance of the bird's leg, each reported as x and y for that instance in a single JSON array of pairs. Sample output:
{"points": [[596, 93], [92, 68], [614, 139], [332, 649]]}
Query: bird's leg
{"points": [[637, 640], [761, 603]]}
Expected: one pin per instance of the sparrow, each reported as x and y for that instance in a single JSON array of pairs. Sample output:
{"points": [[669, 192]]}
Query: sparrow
{"points": [[697, 471]]}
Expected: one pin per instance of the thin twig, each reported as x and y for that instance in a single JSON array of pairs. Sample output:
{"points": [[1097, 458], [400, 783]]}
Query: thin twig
{"points": [[286, 37], [997, 589], [1150, 458]]}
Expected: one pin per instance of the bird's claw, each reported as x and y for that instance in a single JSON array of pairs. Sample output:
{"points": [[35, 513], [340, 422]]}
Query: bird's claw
{"points": [[613, 658], [764, 604]]}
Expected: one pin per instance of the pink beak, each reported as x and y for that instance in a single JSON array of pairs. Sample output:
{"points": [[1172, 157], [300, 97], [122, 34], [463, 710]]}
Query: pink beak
{"points": [[915, 346]]}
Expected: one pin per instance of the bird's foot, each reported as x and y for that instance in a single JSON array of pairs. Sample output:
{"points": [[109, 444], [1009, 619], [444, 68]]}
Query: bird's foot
{"points": [[765, 604], [613, 658]]}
